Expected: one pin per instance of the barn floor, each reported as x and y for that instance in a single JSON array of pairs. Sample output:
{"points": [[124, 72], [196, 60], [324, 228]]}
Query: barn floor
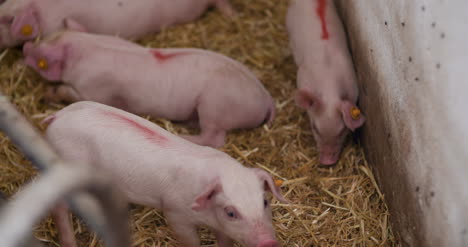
{"points": [[337, 206]]}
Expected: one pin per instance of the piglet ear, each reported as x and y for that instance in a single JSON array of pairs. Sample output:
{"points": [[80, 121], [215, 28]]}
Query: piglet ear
{"points": [[269, 184], [352, 116], [303, 98], [206, 198], [27, 48], [25, 25]]}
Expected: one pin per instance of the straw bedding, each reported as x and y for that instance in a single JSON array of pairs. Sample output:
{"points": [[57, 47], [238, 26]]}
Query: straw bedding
{"points": [[337, 206]]}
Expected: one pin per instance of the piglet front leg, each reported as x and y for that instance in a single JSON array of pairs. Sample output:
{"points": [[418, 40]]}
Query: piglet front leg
{"points": [[226, 8], [61, 93], [184, 231], [223, 240], [71, 24], [212, 134], [213, 138], [64, 225]]}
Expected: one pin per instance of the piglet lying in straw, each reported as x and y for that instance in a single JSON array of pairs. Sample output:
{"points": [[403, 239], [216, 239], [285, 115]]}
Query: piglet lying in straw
{"points": [[192, 184], [326, 80], [191, 85], [22, 20]]}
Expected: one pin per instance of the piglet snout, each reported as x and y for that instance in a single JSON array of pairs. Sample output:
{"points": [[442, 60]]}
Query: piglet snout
{"points": [[329, 155], [268, 243], [328, 159]]}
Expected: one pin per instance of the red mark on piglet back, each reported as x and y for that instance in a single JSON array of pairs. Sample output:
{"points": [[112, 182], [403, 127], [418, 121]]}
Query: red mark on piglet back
{"points": [[321, 11], [161, 57], [147, 132]]}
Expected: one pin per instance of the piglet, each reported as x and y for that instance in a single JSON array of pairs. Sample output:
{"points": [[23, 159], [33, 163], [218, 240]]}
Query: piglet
{"points": [[326, 80], [193, 185], [22, 20], [184, 84]]}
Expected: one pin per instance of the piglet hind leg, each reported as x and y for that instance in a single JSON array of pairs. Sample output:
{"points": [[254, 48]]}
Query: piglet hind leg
{"points": [[61, 93], [73, 25], [186, 233]]}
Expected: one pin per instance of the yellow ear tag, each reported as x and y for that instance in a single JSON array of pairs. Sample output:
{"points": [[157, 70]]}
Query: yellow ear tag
{"points": [[278, 183], [355, 113], [27, 30], [42, 64]]}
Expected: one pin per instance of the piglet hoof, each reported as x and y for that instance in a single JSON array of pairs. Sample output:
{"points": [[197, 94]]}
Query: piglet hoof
{"points": [[230, 13], [226, 8], [326, 164], [51, 94], [268, 243]]}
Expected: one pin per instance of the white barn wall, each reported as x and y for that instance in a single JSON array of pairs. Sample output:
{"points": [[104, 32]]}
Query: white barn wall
{"points": [[412, 61]]}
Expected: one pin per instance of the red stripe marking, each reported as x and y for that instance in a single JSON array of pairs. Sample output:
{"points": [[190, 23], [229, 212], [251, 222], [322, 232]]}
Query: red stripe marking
{"points": [[321, 11], [160, 57], [147, 132]]}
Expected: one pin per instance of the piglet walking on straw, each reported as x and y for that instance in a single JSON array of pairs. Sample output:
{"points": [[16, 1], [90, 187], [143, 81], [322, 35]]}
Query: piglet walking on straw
{"points": [[326, 81], [193, 185]]}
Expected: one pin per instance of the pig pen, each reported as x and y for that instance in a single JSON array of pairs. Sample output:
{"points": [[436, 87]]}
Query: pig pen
{"points": [[336, 206]]}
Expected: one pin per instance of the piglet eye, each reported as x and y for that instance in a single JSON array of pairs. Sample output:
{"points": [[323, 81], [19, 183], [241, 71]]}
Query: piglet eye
{"points": [[231, 213], [265, 203]]}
